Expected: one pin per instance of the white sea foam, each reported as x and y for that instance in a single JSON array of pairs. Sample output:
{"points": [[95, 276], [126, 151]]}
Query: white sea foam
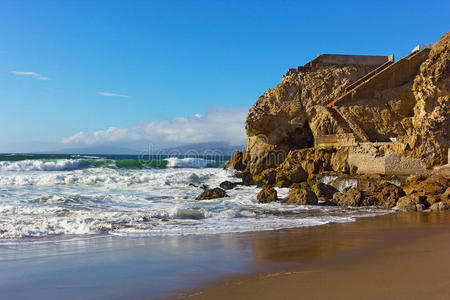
{"points": [[188, 162], [144, 202], [39, 165]]}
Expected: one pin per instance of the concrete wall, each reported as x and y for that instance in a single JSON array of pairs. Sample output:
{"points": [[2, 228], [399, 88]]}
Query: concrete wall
{"points": [[389, 164], [340, 59]]}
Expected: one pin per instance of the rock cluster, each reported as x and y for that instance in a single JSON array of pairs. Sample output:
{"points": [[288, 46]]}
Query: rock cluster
{"points": [[384, 195], [424, 193]]}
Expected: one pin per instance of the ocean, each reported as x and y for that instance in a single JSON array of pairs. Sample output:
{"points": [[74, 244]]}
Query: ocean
{"points": [[66, 196]]}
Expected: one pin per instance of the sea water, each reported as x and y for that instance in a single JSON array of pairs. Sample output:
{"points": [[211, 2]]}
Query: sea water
{"points": [[47, 196]]}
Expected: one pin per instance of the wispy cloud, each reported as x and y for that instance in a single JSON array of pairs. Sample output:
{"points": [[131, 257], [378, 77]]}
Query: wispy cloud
{"points": [[31, 74], [217, 124], [107, 94]]}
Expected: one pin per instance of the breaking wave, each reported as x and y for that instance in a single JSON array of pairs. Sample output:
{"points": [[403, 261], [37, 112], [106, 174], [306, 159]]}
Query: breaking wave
{"points": [[84, 163]]}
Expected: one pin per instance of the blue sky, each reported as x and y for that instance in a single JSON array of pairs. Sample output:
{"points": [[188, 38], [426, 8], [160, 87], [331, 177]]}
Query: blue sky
{"points": [[184, 71]]}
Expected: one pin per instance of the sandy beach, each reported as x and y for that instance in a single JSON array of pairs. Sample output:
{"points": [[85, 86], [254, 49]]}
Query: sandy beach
{"points": [[395, 256]]}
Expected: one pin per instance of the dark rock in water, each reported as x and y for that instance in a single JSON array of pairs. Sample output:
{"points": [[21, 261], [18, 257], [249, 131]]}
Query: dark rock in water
{"points": [[267, 194], [212, 194], [227, 185], [202, 186], [324, 192], [301, 196], [247, 179]]}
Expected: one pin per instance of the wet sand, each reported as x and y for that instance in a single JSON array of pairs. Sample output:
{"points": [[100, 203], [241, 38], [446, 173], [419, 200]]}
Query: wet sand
{"points": [[395, 256]]}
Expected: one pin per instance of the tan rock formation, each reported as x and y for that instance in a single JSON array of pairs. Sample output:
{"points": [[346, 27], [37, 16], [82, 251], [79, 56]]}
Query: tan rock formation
{"points": [[404, 105]]}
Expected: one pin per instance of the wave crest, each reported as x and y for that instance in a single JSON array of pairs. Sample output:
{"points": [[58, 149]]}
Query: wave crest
{"points": [[188, 162], [40, 165]]}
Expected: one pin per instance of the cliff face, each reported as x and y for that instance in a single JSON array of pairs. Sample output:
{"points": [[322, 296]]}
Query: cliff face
{"points": [[290, 115], [413, 112], [427, 138]]}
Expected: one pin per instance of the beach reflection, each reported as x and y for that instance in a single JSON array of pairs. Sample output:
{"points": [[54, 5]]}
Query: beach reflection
{"points": [[315, 244]]}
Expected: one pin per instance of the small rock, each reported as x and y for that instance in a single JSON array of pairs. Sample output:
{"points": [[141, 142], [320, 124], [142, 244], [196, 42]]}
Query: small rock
{"points": [[212, 194], [267, 194]]}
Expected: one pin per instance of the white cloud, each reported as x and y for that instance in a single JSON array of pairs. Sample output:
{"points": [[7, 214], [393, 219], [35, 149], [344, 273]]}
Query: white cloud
{"points": [[217, 124], [107, 94], [31, 74]]}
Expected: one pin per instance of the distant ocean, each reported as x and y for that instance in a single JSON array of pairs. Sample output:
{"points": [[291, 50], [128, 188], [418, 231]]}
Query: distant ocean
{"points": [[46, 196]]}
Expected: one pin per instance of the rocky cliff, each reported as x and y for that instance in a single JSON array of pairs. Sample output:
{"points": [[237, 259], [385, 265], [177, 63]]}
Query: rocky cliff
{"points": [[387, 116]]}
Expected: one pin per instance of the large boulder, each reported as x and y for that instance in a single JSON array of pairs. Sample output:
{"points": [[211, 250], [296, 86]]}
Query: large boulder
{"points": [[267, 194], [301, 196], [212, 194]]}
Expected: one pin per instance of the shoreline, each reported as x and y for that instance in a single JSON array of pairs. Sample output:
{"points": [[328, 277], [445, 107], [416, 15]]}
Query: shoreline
{"points": [[395, 256]]}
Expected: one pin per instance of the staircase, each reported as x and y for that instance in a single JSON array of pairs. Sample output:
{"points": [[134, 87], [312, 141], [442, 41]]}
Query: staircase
{"points": [[411, 61]]}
